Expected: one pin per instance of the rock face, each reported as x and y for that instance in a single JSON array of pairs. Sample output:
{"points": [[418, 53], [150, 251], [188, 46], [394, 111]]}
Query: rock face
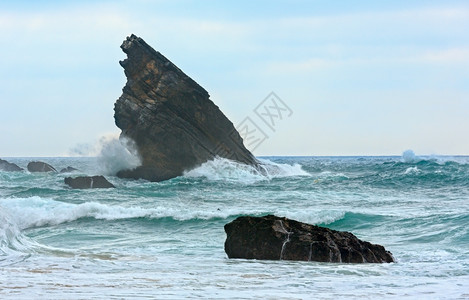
{"points": [[170, 117], [276, 238], [9, 167], [88, 182], [39, 166]]}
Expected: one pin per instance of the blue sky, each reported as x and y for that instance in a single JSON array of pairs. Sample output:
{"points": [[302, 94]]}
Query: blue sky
{"points": [[361, 77]]}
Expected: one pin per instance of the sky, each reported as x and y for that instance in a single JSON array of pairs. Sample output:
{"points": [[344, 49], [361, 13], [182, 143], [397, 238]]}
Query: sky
{"points": [[357, 77]]}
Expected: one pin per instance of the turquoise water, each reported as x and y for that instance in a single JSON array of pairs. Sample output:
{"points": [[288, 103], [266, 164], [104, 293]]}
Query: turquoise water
{"points": [[165, 240]]}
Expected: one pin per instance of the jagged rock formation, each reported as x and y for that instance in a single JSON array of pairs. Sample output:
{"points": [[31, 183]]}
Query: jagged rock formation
{"points": [[9, 167], [170, 117], [274, 238], [88, 182], [39, 166]]}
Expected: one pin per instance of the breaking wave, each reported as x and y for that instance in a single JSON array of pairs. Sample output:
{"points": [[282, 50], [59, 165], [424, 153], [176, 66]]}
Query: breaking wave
{"points": [[14, 246], [227, 170], [118, 154], [113, 152], [32, 212]]}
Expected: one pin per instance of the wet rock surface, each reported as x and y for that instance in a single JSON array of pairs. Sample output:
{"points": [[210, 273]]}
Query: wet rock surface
{"points": [[275, 238], [88, 182], [39, 166], [170, 117], [9, 167], [68, 170]]}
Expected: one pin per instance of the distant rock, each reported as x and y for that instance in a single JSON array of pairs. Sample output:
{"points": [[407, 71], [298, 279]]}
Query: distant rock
{"points": [[174, 124], [9, 167], [274, 238], [39, 166], [68, 170], [88, 182]]}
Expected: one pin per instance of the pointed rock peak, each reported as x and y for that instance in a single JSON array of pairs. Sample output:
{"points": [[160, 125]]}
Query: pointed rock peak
{"points": [[170, 117]]}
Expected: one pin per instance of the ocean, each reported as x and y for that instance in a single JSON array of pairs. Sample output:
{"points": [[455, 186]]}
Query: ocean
{"points": [[145, 240]]}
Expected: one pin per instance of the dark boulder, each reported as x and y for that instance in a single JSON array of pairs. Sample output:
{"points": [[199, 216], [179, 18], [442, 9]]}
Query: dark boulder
{"points": [[88, 182], [171, 118], [276, 238], [9, 167], [68, 170], [39, 166]]}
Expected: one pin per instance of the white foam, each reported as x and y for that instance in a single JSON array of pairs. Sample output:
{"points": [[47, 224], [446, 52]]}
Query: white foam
{"points": [[227, 170], [315, 217], [409, 156], [412, 170], [114, 153], [11, 238], [36, 212], [117, 154]]}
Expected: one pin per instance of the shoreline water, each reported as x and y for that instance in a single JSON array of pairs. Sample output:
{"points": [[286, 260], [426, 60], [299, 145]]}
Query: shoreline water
{"points": [[165, 240]]}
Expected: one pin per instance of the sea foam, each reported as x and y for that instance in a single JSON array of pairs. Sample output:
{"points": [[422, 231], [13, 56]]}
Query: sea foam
{"points": [[13, 244], [228, 170], [24, 213], [113, 152], [118, 154], [37, 212], [409, 156]]}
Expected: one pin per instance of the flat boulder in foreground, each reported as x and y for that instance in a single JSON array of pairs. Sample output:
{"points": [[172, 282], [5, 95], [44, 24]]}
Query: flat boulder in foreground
{"points": [[274, 238], [39, 166], [171, 119], [88, 182], [9, 167]]}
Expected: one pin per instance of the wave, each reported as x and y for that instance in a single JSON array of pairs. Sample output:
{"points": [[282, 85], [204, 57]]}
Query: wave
{"points": [[222, 169], [14, 246], [117, 154], [26, 213], [412, 170], [37, 212], [409, 157]]}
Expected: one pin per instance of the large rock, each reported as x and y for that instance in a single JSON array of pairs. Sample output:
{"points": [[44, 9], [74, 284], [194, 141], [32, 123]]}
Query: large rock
{"points": [[8, 166], [275, 238], [88, 182], [170, 117], [39, 166]]}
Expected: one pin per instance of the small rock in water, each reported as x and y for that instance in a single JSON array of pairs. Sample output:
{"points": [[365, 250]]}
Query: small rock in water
{"points": [[9, 167], [39, 166], [274, 238], [68, 170], [88, 182]]}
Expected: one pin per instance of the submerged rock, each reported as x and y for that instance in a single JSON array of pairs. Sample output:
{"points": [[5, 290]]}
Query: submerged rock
{"points": [[9, 167], [174, 124], [39, 166], [274, 238], [88, 182], [68, 170]]}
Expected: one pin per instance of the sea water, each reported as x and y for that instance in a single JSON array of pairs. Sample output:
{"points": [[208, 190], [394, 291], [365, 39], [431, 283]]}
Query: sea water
{"points": [[165, 240]]}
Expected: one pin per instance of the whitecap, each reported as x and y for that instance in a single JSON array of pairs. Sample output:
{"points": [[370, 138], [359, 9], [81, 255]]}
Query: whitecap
{"points": [[228, 170], [13, 244], [37, 212], [412, 170], [117, 154]]}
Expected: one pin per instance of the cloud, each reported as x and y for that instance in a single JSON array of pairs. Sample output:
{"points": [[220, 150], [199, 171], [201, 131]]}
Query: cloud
{"points": [[458, 55], [64, 56]]}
